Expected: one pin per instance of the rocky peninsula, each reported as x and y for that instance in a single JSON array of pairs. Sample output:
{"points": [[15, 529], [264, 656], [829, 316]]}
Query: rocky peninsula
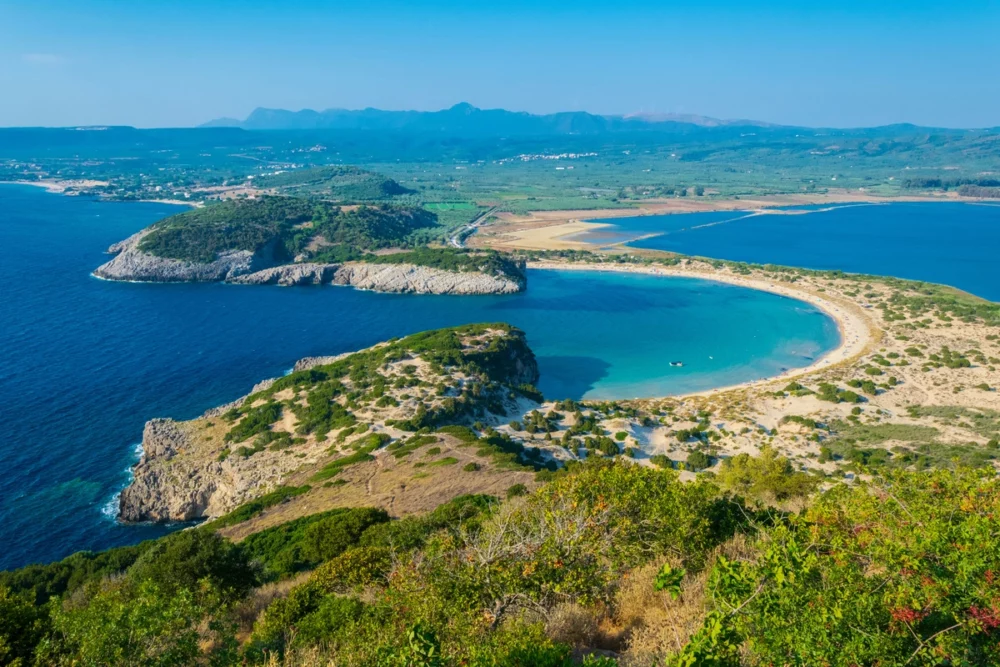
{"points": [[335, 412], [285, 241], [262, 267]]}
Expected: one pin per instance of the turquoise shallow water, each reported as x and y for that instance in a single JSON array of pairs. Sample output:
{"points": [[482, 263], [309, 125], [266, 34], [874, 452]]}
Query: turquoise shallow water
{"points": [[84, 363], [950, 243]]}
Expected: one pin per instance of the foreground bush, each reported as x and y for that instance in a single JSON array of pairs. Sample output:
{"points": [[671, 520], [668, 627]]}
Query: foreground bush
{"points": [[903, 571]]}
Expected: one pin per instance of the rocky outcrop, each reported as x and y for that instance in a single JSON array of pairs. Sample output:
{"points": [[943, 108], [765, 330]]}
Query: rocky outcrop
{"points": [[306, 363], [404, 278], [423, 280], [174, 481], [156, 493], [162, 439], [191, 470], [290, 275], [132, 264], [261, 268]]}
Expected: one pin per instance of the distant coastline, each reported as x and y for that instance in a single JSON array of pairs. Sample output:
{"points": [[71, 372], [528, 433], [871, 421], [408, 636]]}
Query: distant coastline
{"points": [[74, 187], [553, 230]]}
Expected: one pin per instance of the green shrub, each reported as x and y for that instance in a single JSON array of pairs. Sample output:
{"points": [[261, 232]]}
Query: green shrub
{"points": [[357, 567], [764, 478], [127, 624], [186, 559], [698, 460], [332, 536], [446, 461], [933, 604], [255, 420], [517, 490], [661, 460]]}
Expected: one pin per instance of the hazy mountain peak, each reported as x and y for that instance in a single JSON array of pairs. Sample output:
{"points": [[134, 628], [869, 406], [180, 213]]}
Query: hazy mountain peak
{"points": [[466, 119]]}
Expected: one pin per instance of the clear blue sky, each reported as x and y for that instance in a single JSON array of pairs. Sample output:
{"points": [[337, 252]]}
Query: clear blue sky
{"points": [[840, 64]]}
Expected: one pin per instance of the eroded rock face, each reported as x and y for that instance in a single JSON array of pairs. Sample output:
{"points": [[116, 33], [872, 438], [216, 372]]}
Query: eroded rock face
{"points": [[265, 268], [422, 280], [152, 497], [131, 263], [405, 278], [290, 275], [162, 439], [176, 481]]}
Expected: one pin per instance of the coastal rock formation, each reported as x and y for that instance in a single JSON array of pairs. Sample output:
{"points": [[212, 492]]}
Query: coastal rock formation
{"points": [[149, 498], [405, 278], [208, 466], [132, 264], [306, 363], [424, 280], [173, 482], [289, 275], [261, 268]]}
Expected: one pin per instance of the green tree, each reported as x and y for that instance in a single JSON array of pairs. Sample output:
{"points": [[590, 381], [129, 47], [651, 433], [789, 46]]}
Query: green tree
{"points": [[124, 624], [191, 559], [698, 460], [22, 625], [765, 478]]}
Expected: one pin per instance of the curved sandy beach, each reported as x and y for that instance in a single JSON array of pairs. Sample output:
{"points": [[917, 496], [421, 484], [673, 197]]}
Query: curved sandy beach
{"points": [[857, 329]]}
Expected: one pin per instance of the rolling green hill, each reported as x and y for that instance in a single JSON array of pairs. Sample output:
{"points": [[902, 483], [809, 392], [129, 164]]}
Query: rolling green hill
{"points": [[340, 183], [289, 222]]}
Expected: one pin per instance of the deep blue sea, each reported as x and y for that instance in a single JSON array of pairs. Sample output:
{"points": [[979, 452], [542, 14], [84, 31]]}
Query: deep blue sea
{"points": [[84, 362], [951, 243]]}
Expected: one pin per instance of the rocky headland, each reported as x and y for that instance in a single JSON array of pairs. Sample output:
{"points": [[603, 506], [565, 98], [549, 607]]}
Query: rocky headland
{"points": [[263, 267], [356, 407]]}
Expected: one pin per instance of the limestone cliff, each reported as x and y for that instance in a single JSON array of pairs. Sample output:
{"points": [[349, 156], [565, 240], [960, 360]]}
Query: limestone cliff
{"points": [[132, 264], [262, 268], [406, 278]]}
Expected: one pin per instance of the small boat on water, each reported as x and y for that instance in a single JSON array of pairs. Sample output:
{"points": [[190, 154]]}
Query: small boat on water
{"points": [[676, 363]]}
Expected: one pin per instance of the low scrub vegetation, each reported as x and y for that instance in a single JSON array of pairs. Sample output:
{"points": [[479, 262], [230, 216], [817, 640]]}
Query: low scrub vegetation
{"points": [[724, 570]]}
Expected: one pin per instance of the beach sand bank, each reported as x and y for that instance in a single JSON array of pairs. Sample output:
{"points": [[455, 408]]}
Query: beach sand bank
{"points": [[857, 328]]}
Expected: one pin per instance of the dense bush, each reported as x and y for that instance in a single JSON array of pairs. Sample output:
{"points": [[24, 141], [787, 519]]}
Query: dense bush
{"points": [[765, 478], [901, 571], [697, 460], [354, 568], [609, 554], [294, 546], [190, 558], [332, 536]]}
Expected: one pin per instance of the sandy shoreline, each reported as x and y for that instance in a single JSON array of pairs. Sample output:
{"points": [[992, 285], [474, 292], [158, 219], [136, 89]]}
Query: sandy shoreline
{"points": [[857, 330], [60, 187], [69, 188], [553, 230]]}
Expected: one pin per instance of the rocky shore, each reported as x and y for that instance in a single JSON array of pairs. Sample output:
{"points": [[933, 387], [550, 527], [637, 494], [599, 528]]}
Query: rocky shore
{"points": [[132, 264], [262, 268]]}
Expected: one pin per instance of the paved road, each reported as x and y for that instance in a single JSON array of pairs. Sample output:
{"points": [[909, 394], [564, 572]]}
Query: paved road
{"points": [[456, 240]]}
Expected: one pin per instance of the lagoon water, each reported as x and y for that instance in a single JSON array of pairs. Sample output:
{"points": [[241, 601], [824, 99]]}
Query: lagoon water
{"points": [[950, 243], [84, 363]]}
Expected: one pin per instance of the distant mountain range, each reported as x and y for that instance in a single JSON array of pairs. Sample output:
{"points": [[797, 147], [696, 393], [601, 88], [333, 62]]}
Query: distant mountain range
{"points": [[467, 120]]}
